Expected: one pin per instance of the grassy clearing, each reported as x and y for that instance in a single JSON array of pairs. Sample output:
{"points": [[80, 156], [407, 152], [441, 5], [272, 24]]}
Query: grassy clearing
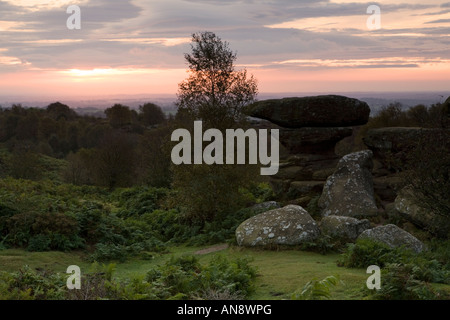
{"points": [[280, 273]]}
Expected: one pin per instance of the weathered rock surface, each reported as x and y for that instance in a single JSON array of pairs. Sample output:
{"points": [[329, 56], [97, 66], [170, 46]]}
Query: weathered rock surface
{"points": [[392, 138], [387, 187], [391, 145], [394, 237], [343, 228], [425, 219], [299, 188], [313, 140], [290, 225], [316, 111], [349, 190], [265, 206]]}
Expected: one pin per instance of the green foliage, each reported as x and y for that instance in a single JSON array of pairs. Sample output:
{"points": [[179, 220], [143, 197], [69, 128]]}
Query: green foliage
{"points": [[313, 207], [137, 201], [27, 284], [428, 176], [404, 282], [405, 275], [186, 278], [323, 244], [366, 252], [317, 289]]}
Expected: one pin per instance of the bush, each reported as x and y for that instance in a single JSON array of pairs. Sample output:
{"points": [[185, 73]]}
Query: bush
{"points": [[405, 275], [27, 284], [186, 278], [366, 252], [401, 282], [137, 201], [429, 176]]}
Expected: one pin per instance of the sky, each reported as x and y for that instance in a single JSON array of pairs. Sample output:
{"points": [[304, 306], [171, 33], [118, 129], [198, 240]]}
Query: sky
{"points": [[137, 47]]}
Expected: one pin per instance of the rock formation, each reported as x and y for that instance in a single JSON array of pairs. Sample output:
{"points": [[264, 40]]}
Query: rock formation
{"points": [[310, 128]]}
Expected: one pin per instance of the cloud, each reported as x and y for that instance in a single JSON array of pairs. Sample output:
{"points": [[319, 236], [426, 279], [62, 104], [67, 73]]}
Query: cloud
{"points": [[439, 21], [156, 34]]}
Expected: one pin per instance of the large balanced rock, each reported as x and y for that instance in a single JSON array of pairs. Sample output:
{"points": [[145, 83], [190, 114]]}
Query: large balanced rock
{"points": [[343, 228], [349, 190], [394, 237], [290, 225], [316, 111], [409, 209]]}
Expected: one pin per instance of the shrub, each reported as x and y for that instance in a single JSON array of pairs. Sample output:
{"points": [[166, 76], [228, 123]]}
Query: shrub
{"points": [[401, 282], [366, 252], [185, 277], [32, 285], [429, 176], [323, 244]]}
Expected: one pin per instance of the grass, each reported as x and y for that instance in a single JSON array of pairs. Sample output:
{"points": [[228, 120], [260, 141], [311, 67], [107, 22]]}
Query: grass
{"points": [[280, 273]]}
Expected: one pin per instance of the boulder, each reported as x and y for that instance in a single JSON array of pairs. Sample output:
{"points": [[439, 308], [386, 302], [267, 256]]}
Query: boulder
{"points": [[423, 218], [316, 111], [343, 228], [313, 140], [394, 237], [349, 190], [290, 225]]}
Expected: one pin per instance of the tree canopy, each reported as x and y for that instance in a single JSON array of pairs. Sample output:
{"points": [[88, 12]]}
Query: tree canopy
{"points": [[215, 91]]}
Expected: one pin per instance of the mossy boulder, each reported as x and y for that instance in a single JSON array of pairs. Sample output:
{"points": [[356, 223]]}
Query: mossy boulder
{"points": [[290, 225], [349, 190], [343, 228], [394, 237]]}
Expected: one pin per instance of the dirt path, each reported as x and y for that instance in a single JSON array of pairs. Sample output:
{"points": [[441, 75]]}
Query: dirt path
{"points": [[219, 247]]}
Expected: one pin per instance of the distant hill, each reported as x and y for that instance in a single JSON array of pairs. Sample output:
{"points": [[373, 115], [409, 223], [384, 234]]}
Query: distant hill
{"points": [[95, 105]]}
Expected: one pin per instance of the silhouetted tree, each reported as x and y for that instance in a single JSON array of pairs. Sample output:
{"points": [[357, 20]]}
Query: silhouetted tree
{"points": [[151, 114], [114, 160], [118, 115], [214, 92], [58, 110]]}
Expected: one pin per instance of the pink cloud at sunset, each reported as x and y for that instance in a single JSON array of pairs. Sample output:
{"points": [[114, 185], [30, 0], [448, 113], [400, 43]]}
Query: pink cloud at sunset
{"points": [[137, 47]]}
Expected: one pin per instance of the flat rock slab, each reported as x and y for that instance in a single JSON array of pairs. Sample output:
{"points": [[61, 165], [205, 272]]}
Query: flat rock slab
{"points": [[315, 111], [290, 225]]}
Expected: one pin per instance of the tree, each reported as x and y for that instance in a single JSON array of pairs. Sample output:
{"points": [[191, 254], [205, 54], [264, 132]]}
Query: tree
{"points": [[113, 162], [150, 114], [214, 91], [58, 110], [118, 115]]}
